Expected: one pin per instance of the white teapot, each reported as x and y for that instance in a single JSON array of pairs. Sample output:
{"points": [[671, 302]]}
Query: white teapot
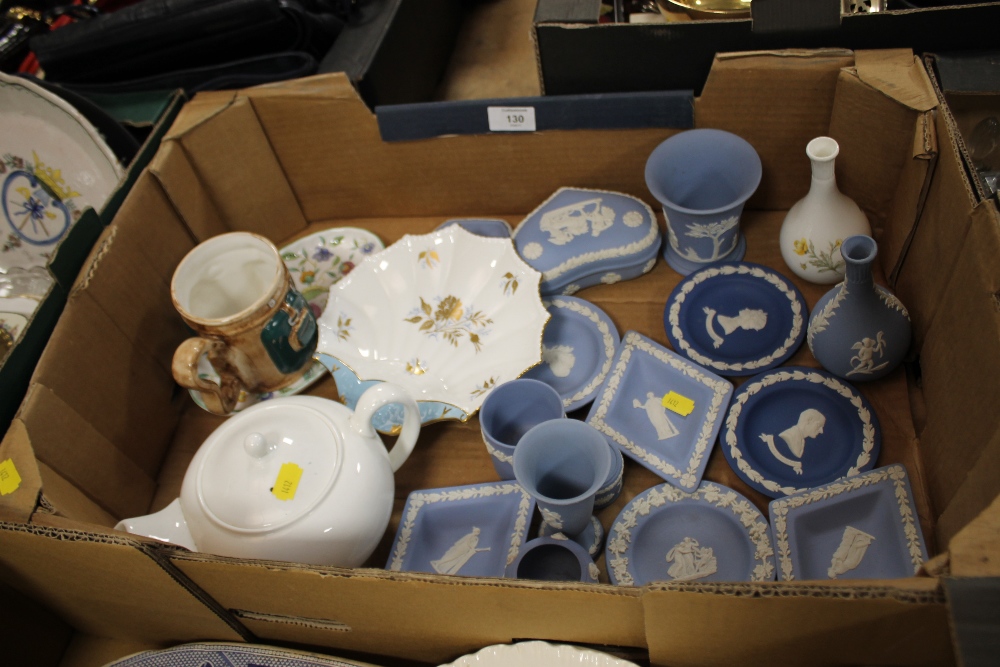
{"points": [[299, 479]]}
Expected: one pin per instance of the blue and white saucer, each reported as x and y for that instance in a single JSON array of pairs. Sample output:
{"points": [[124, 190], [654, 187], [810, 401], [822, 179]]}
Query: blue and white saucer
{"points": [[578, 345], [712, 534], [861, 527], [794, 428], [226, 654], [736, 319], [473, 530], [661, 409]]}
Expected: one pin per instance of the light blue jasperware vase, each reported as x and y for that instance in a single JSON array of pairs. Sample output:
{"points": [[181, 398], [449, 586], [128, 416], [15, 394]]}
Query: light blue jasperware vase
{"points": [[859, 330]]}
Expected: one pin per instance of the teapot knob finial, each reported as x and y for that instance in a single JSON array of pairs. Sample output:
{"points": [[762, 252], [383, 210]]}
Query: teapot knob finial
{"points": [[257, 446]]}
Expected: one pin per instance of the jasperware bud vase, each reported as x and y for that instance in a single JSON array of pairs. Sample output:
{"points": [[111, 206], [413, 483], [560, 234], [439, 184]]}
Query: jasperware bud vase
{"points": [[816, 225], [859, 330]]}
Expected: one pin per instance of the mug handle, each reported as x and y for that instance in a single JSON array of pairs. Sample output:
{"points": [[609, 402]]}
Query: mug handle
{"points": [[373, 399], [295, 320], [219, 398]]}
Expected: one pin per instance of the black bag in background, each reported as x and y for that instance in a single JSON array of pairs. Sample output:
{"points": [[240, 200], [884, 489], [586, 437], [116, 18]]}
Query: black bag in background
{"points": [[163, 37]]}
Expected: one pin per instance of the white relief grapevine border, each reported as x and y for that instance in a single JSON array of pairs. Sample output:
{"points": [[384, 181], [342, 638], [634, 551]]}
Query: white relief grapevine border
{"points": [[748, 390], [721, 389], [728, 270], [620, 537], [609, 253], [780, 508], [609, 346], [418, 499]]}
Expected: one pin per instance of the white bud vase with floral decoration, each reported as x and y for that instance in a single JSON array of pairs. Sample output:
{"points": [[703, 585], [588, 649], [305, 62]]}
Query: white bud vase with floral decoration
{"points": [[816, 226]]}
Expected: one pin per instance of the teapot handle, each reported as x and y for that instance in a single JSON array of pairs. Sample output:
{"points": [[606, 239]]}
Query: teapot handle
{"points": [[373, 399]]}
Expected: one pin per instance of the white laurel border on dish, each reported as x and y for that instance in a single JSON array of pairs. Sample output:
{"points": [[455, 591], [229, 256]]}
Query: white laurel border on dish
{"points": [[780, 508], [832, 383], [608, 253], [721, 388], [729, 270], [418, 499], [609, 346], [620, 538]]}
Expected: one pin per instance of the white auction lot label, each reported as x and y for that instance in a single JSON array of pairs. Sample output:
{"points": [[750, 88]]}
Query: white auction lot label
{"points": [[511, 119]]}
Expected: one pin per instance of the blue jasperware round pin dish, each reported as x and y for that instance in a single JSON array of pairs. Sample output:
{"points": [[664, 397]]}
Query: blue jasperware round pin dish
{"points": [[711, 534], [736, 319], [578, 346], [795, 428]]}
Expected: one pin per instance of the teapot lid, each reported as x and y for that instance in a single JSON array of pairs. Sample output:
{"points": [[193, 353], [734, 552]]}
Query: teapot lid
{"points": [[268, 465]]}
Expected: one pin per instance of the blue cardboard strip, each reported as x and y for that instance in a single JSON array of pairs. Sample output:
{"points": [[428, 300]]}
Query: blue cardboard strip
{"points": [[605, 111]]}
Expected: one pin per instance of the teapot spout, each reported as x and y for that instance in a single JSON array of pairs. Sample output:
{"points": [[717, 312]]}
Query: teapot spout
{"points": [[167, 525]]}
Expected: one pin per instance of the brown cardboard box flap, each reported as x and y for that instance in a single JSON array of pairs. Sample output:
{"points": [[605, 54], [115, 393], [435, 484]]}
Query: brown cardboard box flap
{"points": [[898, 74], [19, 499]]}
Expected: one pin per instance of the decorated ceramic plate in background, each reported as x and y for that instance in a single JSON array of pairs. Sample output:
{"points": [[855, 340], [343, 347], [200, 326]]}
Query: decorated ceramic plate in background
{"points": [[736, 319], [53, 164], [224, 654], [577, 348], [538, 654], [794, 428], [315, 262], [861, 527], [712, 534]]}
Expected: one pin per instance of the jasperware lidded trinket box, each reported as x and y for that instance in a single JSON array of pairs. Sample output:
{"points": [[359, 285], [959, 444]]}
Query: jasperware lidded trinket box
{"points": [[579, 238]]}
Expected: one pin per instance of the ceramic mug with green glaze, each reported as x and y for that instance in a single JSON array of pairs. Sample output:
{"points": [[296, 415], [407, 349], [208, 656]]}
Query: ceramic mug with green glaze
{"points": [[256, 330]]}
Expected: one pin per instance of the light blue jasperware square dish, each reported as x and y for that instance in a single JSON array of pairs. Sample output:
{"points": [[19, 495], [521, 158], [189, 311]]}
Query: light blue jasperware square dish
{"points": [[471, 530], [860, 527], [630, 410]]}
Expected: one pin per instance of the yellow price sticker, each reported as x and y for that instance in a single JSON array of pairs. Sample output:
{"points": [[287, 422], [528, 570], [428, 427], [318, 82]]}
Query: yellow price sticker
{"points": [[288, 481], [9, 478], [675, 402]]}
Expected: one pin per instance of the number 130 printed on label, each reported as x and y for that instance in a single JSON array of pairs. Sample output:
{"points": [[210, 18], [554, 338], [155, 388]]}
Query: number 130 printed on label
{"points": [[511, 119]]}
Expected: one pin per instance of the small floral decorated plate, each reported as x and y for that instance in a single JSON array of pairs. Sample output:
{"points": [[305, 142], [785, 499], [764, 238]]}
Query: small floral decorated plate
{"points": [[315, 262], [53, 164], [577, 348], [736, 319], [538, 654], [712, 534], [473, 530], [861, 527], [661, 409], [794, 428], [446, 315]]}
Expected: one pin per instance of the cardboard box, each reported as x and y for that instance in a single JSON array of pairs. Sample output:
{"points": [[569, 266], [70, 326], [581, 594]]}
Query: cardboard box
{"points": [[17, 367], [112, 437], [577, 55]]}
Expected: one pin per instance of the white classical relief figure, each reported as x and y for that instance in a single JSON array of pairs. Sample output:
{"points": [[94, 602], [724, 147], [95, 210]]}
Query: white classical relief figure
{"points": [[691, 561], [809, 425], [657, 415], [560, 359], [750, 319], [853, 546], [863, 363], [714, 231], [566, 223], [458, 554]]}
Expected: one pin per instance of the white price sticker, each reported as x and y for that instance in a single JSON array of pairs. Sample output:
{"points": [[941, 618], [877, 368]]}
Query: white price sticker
{"points": [[511, 119]]}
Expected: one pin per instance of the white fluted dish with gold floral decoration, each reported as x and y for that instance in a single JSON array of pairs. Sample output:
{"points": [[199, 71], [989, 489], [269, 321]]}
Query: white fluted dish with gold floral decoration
{"points": [[447, 315], [53, 164]]}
